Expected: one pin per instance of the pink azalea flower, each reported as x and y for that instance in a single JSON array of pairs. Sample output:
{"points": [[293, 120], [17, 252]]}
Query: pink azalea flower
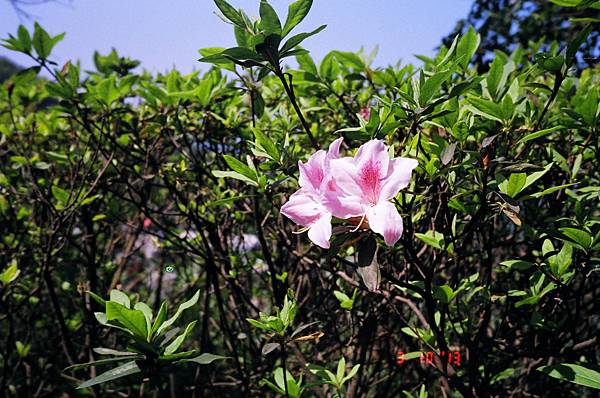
{"points": [[365, 113], [358, 188], [307, 205], [366, 183]]}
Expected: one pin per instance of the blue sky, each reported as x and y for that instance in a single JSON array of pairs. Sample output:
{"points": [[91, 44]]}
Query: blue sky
{"points": [[167, 33]]}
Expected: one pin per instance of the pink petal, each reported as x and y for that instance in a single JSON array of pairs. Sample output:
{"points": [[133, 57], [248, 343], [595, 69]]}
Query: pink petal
{"points": [[373, 154], [344, 197], [312, 172], [372, 161], [384, 219], [334, 149], [303, 208], [398, 177], [320, 231], [342, 205], [344, 173]]}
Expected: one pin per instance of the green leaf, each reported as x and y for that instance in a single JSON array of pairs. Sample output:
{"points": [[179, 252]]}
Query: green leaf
{"points": [[327, 69], [101, 318], [281, 381], [341, 296], [551, 190], [99, 217], [587, 20], [517, 264], [515, 184], [176, 357], [61, 195], [450, 52], [341, 369], [42, 42], [507, 107], [175, 344], [133, 320], [147, 313], [160, 318], [506, 373], [588, 108], [578, 236], [205, 359], [188, 304], [258, 324], [549, 62], [566, 3], [307, 64], [466, 47], [563, 259], [294, 52], [349, 60], [485, 108], [299, 38], [266, 144], [10, 274], [119, 297], [214, 56], [539, 134], [573, 373], [110, 351], [351, 373], [269, 21], [22, 349], [289, 310], [431, 86], [432, 238], [240, 167], [235, 175], [272, 386], [496, 77], [79, 366], [297, 11], [444, 294], [230, 13], [527, 301], [97, 298], [533, 177], [126, 369], [241, 36], [24, 39]]}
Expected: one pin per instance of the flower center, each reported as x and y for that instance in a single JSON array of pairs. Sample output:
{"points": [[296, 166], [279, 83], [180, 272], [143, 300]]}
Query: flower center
{"points": [[370, 181]]}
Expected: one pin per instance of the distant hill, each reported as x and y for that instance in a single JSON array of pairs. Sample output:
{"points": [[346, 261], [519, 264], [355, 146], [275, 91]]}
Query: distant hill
{"points": [[7, 68]]}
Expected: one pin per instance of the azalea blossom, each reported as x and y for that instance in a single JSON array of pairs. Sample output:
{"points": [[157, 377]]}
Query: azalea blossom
{"points": [[350, 187], [365, 113], [366, 183], [306, 206]]}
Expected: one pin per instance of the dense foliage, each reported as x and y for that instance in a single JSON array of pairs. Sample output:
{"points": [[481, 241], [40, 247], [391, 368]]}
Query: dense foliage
{"points": [[119, 189], [504, 24]]}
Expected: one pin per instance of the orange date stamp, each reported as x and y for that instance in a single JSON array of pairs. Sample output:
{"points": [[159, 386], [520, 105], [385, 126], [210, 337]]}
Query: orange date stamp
{"points": [[426, 358]]}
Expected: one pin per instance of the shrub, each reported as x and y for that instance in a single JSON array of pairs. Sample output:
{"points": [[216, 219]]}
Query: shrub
{"points": [[163, 185]]}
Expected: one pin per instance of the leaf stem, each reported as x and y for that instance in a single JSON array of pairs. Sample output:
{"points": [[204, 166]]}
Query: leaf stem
{"points": [[289, 89], [283, 359]]}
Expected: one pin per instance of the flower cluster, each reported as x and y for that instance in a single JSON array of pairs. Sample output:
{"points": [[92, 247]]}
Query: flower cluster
{"points": [[358, 187]]}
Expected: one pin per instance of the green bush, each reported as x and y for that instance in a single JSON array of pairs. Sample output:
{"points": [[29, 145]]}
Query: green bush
{"points": [[160, 186]]}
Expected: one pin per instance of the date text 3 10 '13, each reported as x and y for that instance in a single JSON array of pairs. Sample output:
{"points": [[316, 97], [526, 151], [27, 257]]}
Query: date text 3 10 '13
{"points": [[426, 358]]}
